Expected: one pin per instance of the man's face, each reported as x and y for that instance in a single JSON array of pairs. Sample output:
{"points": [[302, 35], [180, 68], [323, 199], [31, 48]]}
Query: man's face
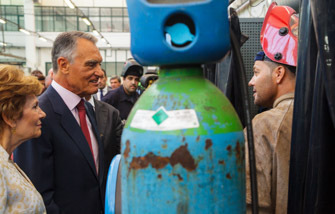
{"points": [[102, 82], [115, 83], [130, 83], [85, 71], [264, 85]]}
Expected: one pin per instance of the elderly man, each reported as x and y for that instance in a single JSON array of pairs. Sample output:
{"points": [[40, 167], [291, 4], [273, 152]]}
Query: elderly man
{"points": [[66, 163]]}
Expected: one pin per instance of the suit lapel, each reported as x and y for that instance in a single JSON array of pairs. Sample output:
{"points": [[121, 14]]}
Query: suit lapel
{"points": [[102, 117], [71, 126]]}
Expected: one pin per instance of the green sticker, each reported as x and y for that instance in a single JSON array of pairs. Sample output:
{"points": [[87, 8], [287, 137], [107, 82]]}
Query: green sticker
{"points": [[160, 116]]}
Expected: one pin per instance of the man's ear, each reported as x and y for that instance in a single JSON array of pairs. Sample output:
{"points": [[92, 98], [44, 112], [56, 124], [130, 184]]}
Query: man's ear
{"points": [[279, 73], [10, 122], [63, 65]]}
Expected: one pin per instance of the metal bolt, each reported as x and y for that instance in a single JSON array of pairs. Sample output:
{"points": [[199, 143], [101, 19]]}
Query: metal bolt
{"points": [[278, 56], [283, 31]]}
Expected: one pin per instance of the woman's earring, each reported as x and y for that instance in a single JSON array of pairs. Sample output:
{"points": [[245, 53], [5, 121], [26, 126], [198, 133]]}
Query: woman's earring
{"points": [[13, 130]]}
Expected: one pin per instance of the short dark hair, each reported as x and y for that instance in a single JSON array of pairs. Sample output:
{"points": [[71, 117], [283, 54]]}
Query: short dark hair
{"points": [[104, 72], [116, 77]]}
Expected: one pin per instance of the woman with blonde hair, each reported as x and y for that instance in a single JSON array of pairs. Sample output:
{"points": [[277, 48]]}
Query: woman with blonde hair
{"points": [[20, 120]]}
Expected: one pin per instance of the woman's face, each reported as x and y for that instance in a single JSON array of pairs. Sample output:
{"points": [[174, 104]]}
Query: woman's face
{"points": [[29, 125]]}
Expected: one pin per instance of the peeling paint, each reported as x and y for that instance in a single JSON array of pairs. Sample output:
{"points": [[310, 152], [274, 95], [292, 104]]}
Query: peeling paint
{"points": [[184, 157], [156, 162], [159, 176], [127, 150], [221, 162], [198, 138], [181, 155], [228, 176], [179, 177], [209, 143]]}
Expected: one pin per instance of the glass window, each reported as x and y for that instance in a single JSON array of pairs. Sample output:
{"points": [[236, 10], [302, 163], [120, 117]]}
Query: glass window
{"points": [[71, 23], [117, 24], [10, 26], [106, 12], [96, 22], [82, 26], [60, 11], [60, 24], [38, 11], [69, 11], [11, 10], [47, 11], [106, 24], [38, 23], [93, 11], [47, 23], [125, 12], [125, 24], [117, 11]]}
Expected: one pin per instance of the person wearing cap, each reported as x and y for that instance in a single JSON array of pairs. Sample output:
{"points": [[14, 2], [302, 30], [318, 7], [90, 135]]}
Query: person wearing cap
{"points": [[124, 97], [273, 85]]}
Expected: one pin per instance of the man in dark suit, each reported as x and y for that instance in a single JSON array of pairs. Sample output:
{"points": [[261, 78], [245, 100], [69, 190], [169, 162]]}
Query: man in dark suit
{"points": [[110, 129], [66, 162]]}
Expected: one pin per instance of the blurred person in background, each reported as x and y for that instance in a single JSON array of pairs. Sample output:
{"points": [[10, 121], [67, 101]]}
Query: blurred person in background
{"points": [[115, 82], [40, 77]]}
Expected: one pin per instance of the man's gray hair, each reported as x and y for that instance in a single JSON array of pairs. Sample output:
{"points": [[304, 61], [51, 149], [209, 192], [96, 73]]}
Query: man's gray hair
{"points": [[66, 44]]}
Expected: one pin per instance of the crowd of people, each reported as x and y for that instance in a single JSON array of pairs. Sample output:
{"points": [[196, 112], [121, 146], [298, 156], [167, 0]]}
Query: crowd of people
{"points": [[63, 130]]}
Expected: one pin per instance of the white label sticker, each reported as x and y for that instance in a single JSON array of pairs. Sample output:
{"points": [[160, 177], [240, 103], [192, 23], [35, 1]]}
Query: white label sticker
{"points": [[162, 120]]}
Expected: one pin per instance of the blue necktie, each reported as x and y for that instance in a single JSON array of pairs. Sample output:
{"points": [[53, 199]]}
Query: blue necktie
{"points": [[101, 94]]}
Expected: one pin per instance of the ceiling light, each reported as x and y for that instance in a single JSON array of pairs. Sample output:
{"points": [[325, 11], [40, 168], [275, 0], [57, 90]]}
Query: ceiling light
{"points": [[96, 32], [24, 31], [3, 44], [70, 4], [86, 21], [3, 21], [104, 40], [42, 39]]}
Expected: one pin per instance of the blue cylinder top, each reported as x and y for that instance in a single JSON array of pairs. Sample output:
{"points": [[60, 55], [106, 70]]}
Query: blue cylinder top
{"points": [[174, 32]]}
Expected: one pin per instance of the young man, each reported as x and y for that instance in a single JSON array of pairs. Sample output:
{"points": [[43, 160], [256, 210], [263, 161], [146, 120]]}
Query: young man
{"points": [[124, 97], [273, 85], [115, 82]]}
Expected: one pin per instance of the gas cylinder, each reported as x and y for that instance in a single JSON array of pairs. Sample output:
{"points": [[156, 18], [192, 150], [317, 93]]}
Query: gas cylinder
{"points": [[183, 149], [183, 145]]}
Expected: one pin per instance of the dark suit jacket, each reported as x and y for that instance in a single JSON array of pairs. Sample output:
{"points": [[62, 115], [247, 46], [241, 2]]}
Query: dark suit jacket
{"points": [[60, 163], [110, 130]]}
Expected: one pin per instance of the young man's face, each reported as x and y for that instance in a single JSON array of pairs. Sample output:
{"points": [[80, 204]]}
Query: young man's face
{"points": [[130, 83], [115, 83], [263, 83]]}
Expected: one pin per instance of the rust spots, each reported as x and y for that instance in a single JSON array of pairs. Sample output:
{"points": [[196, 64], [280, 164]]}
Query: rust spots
{"points": [[198, 138], [183, 140], [208, 143], [238, 150], [156, 162], [221, 162], [179, 177], [228, 176], [181, 155], [164, 146], [229, 148], [209, 108], [159, 176], [127, 150], [184, 157]]}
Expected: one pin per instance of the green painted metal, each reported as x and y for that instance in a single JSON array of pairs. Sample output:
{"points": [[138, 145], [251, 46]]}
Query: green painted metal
{"points": [[184, 88]]}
